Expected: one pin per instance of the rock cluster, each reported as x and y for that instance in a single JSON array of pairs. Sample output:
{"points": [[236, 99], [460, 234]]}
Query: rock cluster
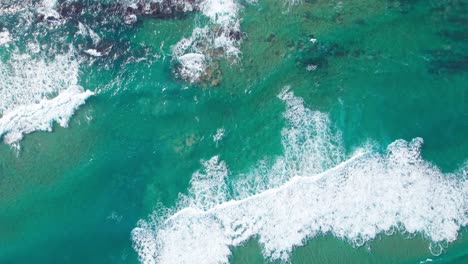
{"points": [[128, 12]]}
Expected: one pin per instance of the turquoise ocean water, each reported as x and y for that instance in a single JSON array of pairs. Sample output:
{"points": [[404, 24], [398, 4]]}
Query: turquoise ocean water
{"points": [[155, 168]]}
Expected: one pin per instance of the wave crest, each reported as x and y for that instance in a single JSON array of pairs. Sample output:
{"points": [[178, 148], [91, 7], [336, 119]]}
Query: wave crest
{"points": [[355, 200]]}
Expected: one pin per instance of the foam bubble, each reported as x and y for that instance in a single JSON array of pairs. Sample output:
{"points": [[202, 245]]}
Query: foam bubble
{"points": [[353, 199]]}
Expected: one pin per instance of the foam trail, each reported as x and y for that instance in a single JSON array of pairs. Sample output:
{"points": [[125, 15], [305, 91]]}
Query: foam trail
{"points": [[354, 200]]}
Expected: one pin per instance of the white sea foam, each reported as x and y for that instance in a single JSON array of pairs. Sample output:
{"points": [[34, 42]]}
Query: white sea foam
{"points": [[221, 12], [190, 44], [47, 8], [26, 80], [208, 186], [44, 7], [93, 52], [5, 37], [40, 116], [221, 37], [212, 40], [12, 8], [49, 4], [86, 31], [192, 66], [353, 199], [310, 146], [35, 92], [219, 135]]}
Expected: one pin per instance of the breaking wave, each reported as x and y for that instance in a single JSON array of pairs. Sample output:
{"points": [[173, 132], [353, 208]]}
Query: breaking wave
{"points": [[35, 93], [312, 190], [37, 88]]}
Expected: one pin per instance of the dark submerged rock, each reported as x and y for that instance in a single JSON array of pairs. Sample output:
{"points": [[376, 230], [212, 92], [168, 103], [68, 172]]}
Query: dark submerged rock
{"points": [[128, 13], [271, 37], [235, 35], [72, 10]]}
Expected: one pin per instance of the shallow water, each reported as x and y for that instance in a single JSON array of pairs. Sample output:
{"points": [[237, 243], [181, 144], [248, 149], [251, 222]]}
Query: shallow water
{"points": [[385, 71]]}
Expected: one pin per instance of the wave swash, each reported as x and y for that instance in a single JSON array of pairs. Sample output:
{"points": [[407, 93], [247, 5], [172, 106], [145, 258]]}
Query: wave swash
{"points": [[311, 190]]}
